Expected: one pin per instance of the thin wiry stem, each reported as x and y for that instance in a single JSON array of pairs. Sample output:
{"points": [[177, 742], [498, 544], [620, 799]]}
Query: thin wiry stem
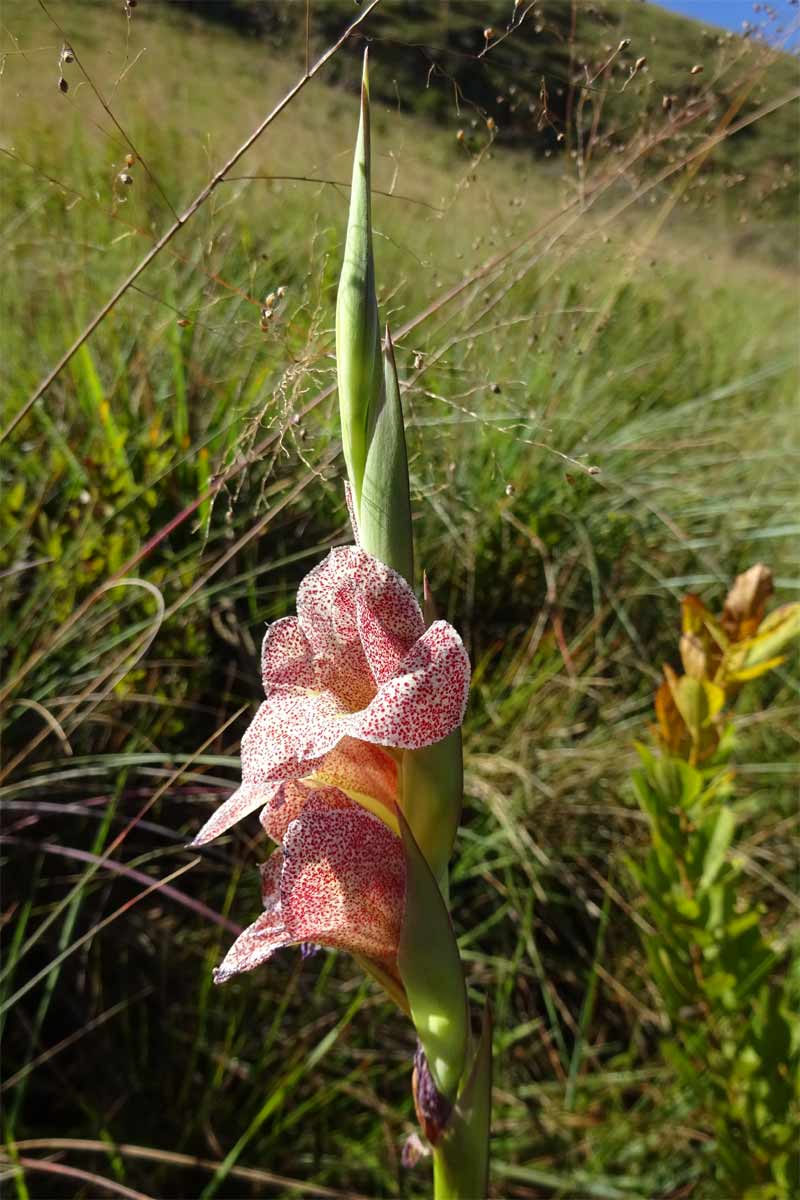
{"points": [[157, 1155], [109, 113]]}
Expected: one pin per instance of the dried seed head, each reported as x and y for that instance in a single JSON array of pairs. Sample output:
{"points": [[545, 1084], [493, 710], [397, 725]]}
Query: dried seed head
{"points": [[488, 33], [623, 44], [130, 159], [63, 86], [697, 69], [460, 135], [269, 300], [281, 291], [67, 54], [510, 489], [490, 124], [266, 315], [125, 178], [666, 103], [640, 62]]}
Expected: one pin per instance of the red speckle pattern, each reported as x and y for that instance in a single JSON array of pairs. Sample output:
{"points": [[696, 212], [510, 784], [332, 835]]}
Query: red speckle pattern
{"points": [[339, 881], [356, 665], [358, 662], [289, 802], [353, 674], [244, 800], [357, 766]]}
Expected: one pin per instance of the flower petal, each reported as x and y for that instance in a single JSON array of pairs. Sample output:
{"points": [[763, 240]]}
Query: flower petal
{"points": [[245, 799], [287, 660], [343, 881], [320, 650], [353, 606], [361, 770], [289, 735], [389, 618], [424, 700], [289, 801], [266, 935], [338, 881], [352, 772]]}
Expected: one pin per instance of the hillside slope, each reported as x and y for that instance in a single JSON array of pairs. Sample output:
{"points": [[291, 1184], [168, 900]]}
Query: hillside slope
{"points": [[552, 78]]}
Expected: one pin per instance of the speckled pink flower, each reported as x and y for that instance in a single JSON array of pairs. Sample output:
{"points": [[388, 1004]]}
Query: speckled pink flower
{"points": [[354, 671], [337, 880], [354, 676]]}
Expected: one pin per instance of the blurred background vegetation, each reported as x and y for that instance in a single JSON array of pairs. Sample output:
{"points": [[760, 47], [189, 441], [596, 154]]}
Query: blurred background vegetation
{"points": [[594, 300]]}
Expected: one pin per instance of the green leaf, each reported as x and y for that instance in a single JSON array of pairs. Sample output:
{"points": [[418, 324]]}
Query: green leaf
{"points": [[756, 655], [718, 846], [677, 782], [698, 702], [431, 971], [431, 783], [384, 514]]}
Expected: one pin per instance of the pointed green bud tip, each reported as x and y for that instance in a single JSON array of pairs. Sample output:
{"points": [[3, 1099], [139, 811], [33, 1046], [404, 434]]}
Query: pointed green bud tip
{"points": [[358, 355]]}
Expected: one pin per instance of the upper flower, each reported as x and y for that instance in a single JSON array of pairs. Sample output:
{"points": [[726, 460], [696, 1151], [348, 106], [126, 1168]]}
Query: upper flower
{"points": [[354, 671]]}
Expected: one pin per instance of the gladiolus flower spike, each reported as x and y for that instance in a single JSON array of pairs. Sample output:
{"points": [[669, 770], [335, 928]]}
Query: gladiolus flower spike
{"points": [[352, 678], [354, 757]]}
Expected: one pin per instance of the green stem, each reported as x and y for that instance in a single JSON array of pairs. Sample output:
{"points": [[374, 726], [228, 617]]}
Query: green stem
{"points": [[461, 1157]]}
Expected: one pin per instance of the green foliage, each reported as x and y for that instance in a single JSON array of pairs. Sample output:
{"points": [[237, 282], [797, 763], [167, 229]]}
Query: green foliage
{"points": [[734, 1036], [666, 358]]}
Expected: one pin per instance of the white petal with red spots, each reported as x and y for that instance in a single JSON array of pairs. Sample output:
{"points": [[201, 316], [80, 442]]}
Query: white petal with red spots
{"points": [[355, 665], [244, 800], [339, 881]]}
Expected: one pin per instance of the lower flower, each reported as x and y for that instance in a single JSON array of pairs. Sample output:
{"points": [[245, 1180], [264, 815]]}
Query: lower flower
{"points": [[337, 879]]}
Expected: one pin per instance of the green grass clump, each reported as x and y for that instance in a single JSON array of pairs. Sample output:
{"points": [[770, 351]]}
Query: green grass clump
{"points": [[600, 389]]}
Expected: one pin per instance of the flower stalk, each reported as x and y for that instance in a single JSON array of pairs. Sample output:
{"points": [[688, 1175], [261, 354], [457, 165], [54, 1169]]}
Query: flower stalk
{"points": [[354, 761], [456, 1073]]}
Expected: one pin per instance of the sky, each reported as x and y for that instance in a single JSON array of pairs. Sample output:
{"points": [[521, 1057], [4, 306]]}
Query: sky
{"points": [[730, 14]]}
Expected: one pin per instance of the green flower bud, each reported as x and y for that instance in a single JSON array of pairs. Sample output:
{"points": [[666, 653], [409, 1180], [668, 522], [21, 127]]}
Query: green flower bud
{"points": [[358, 354]]}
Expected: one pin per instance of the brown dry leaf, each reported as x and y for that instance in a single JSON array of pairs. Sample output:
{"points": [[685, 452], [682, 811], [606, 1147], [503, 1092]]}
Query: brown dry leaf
{"points": [[671, 725], [701, 639], [746, 602]]}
